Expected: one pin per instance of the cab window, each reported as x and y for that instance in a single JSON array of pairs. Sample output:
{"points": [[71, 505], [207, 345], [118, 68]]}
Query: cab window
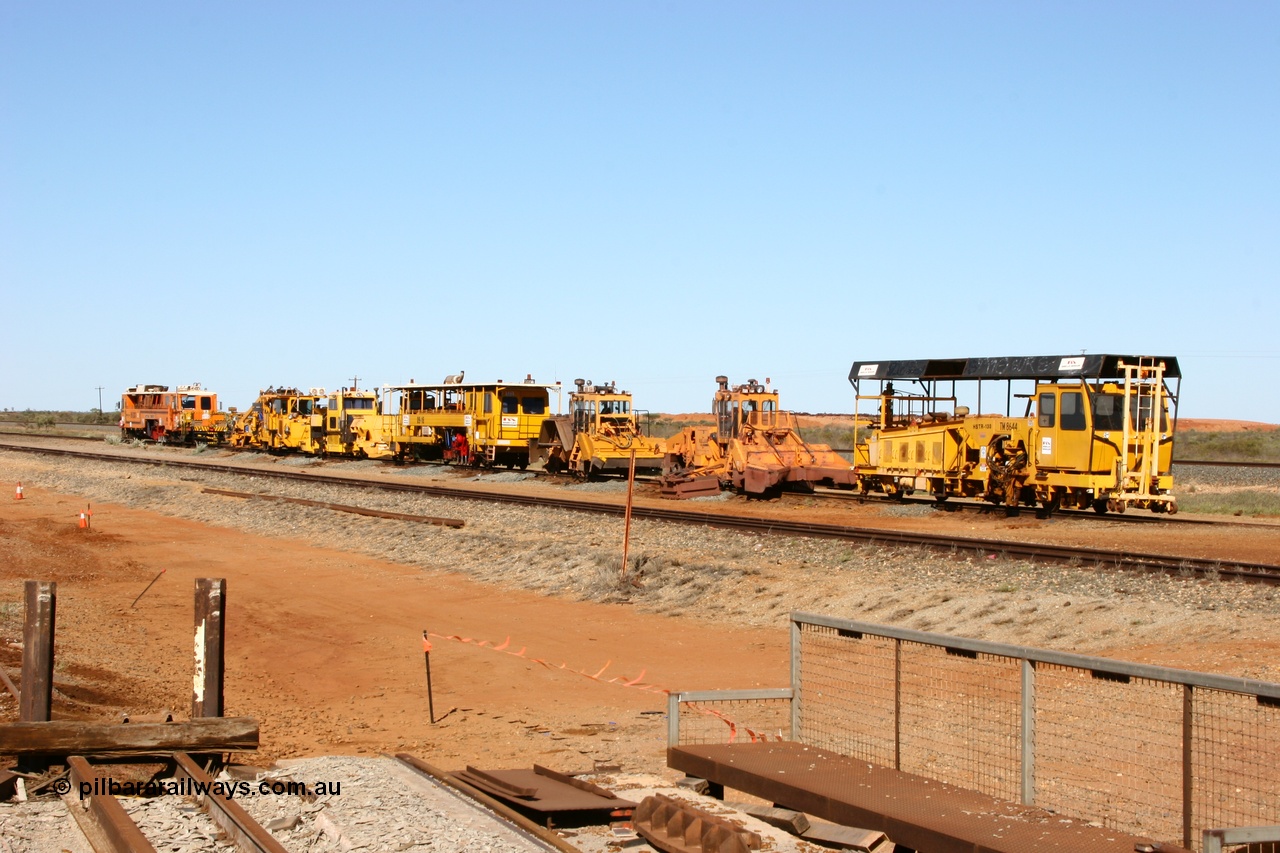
{"points": [[1140, 414], [1048, 409], [535, 406], [1072, 410], [206, 403], [510, 405], [1108, 412], [488, 403]]}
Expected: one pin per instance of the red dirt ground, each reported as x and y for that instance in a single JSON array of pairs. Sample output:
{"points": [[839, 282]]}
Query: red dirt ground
{"points": [[325, 648]]}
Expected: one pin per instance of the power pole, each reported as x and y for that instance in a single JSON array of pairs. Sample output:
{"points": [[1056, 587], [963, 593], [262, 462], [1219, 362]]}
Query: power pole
{"points": [[99, 418], [355, 383]]}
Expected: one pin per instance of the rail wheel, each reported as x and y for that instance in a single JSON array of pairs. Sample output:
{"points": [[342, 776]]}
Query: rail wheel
{"points": [[1100, 506]]}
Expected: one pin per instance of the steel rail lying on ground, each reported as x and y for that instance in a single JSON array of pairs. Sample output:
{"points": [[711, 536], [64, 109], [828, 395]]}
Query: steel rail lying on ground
{"points": [[355, 510], [519, 821], [1099, 557], [115, 831], [229, 815]]}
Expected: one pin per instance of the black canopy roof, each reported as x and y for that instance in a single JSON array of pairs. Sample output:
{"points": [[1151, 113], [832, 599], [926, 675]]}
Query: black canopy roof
{"points": [[1094, 366]]}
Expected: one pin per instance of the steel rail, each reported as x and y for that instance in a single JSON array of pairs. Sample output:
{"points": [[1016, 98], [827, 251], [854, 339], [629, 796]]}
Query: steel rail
{"points": [[110, 829], [229, 815], [1225, 463], [984, 508], [519, 821], [354, 510], [1101, 558]]}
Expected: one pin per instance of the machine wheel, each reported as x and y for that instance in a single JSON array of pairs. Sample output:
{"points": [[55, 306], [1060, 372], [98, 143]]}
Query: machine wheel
{"points": [[1050, 506], [1100, 506]]}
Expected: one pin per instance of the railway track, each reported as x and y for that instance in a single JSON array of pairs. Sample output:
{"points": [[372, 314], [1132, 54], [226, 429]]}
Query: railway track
{"points": [[1072, 555], [411, 805], [982, 508]]}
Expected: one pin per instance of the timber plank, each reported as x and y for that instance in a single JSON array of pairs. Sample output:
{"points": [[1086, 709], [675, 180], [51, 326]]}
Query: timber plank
{"points": [[208, 734]]}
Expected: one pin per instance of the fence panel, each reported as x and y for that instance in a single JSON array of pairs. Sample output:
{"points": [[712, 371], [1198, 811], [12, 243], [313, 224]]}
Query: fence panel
{"points": [[1144, 749]]}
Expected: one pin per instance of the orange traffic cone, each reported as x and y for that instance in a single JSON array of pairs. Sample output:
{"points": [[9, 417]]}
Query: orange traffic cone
{"points": [[17, 496], [84, 521]]}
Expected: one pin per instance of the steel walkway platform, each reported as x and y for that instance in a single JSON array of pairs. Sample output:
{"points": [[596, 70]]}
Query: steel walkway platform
{"points": [[914, 811]]}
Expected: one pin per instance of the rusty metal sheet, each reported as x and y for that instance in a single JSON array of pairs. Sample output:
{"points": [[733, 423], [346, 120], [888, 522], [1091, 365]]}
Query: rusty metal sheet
{"points": [[694, 488], [549, 795], [921, 813], [673, 826]]}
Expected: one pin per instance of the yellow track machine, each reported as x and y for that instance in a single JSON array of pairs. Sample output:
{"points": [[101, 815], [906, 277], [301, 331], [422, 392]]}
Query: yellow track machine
{"points": [[348, 422], [470, 423], [754, 448], [600, 434], [282, 420], [1097, 431]]}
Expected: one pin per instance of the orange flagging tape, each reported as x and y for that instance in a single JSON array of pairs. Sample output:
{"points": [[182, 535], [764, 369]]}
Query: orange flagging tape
{"points": [[619, 680]]}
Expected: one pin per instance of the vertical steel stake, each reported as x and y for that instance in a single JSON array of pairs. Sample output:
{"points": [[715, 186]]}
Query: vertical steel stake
{"points": [[426, 658], [147, 587]]}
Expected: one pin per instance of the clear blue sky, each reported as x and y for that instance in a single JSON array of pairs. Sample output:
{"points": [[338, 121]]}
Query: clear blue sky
{"points": [[253, 194]]}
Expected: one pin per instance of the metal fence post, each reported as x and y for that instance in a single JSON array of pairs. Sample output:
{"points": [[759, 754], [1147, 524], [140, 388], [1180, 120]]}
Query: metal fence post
{"points": [[1187, 780], [1028, 732], [795, 680], [897, 704], [673, 719]]}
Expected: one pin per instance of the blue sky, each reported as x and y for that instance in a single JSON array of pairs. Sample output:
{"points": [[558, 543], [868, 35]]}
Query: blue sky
{"points": [[250, 194]]}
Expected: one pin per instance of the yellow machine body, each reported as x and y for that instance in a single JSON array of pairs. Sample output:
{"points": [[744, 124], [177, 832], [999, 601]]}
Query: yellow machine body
{"points": [[1104, 442], [355, 426], [600, 434], [478, 423], [755, 448], [283, 420], [348, 422]]}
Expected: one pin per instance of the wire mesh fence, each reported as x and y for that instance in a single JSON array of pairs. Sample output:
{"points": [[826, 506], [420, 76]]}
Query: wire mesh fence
{"points": [[1147, 750], [729, 716]]}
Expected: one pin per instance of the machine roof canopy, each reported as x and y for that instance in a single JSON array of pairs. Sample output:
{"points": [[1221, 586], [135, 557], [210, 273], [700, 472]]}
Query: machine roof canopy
{"points": [[1095, 366]]}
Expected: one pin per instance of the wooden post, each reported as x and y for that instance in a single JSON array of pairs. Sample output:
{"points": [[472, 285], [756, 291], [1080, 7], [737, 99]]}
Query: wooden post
{"points": [[626, 527], [211, 602], [37, 652]]}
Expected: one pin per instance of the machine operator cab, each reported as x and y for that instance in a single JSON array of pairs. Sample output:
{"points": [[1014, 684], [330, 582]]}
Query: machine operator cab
{"points": [[354, 425], [745, 408], [1083, 427], [199, 408], [602, 410]]}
